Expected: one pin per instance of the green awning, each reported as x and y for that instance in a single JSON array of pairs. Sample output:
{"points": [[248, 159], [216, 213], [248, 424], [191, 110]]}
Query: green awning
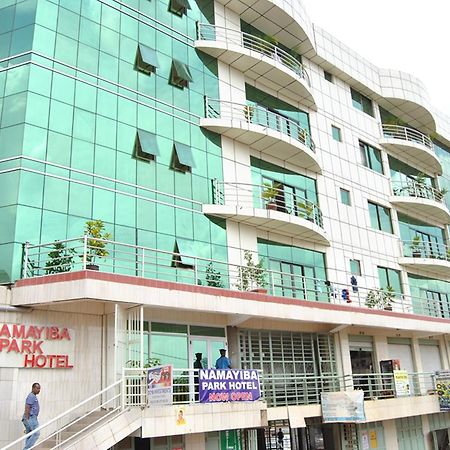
{"points": [[179, 4], [182, 70], [148, 58], [186, 250], [184, 154], [148, 145]]}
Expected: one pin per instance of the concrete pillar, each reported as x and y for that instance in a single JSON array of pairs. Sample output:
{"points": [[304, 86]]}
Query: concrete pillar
{"points": [[345, 363], [426, 433], [381, 351], [195, 441], [390, 434], [443, 352], [415, 347], [233, 347]]}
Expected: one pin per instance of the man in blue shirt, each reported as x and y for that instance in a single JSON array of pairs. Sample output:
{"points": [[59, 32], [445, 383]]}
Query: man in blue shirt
{"points": [[223, 362], [30, 415]]}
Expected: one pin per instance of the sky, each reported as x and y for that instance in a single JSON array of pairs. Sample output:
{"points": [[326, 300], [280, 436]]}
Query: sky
{"points": [[408, 35]]}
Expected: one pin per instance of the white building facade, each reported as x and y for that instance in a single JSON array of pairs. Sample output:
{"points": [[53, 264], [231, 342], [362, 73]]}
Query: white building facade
{"points": [[294, 212]]}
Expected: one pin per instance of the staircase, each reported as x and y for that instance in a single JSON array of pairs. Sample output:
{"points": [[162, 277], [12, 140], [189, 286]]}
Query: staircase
{"points": [[98, 422]]}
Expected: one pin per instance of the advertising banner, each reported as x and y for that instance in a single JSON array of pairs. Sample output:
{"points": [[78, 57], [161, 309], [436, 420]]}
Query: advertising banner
{"points": [[160, 385], [343, 407], [442, 385], [401, 382], [228, 385]]}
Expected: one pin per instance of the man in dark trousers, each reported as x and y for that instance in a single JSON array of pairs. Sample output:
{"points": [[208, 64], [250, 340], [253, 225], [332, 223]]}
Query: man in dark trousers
{"points": [[280, 438], [197, 365], [30, 415]]}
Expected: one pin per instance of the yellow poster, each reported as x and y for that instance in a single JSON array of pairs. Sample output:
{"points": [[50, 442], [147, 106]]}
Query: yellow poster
{"points": [[373, 439]]}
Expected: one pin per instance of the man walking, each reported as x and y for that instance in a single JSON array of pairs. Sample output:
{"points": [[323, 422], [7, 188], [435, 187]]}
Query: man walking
{"points": [[223, 362], [30, 416]]}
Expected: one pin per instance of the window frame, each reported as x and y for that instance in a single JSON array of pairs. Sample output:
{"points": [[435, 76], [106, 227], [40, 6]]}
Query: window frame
{"points": [[362, 103], [328, 76], [336, 133], [380, 221], [366, 151], [179, 7], [347, 193], [143, 154], [143, 63], [177, 79], [180, 163]]}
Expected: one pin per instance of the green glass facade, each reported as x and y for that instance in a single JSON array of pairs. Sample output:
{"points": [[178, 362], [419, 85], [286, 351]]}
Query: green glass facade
{"points": [[71, 108]]}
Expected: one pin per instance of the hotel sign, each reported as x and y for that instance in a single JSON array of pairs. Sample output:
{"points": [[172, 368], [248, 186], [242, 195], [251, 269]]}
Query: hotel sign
{"points": [[35, 346]]}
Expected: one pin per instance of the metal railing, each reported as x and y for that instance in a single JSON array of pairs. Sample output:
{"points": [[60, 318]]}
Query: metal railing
{"points": [[127, 259], [417, 189], [406, 134], [67, 427], [422, 249], [382, 385], [266, 197], [281, 389], [209, 32], [258, 115]]}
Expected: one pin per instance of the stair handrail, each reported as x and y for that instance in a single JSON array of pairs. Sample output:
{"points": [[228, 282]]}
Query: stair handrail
{"points": [[60, 416]]}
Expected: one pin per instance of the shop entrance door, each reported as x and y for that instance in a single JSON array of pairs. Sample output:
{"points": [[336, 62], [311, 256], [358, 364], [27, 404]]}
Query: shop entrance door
{"points": [[361, 357]]}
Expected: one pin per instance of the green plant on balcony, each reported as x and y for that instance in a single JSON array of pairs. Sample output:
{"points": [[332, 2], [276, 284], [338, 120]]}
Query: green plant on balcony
{"points": [[96, 247], [441, 193], [213, 276], [306, 210], [269, 194], [252, 276], [381, 298], [249, 110], [60, 259], [416, 246]]}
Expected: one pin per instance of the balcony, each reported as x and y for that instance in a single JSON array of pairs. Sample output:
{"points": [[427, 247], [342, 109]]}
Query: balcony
{"points": [[258, 60], [411, 146], [417, 198], [263, 130], [268, 208], [428, 256], [75, 256]]}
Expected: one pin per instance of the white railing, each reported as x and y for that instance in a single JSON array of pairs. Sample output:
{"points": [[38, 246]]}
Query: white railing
{"points": [[127, 259], [266, 197], [419, 248], [407, 134], [258, 115], [411, 188], [67, 427], [209, 32], [281, 389]]}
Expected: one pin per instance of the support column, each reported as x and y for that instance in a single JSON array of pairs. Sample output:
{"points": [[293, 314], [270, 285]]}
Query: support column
{"points": [[426, 433], [195, 441], [381, 350], [233, 347], [346, 363], [390, 434]]}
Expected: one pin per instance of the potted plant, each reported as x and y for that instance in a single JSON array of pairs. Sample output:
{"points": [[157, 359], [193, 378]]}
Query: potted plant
{"points": [[213, 276], [96, 247], [269, 194], [252, 276], [416, 247], [440, 194], [249, 110], [381, 298], [306, 210], [60, 259]]}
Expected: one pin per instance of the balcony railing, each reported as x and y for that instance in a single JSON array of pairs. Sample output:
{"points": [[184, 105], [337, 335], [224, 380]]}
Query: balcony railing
{"points": [[419, 248], [416, 189], [258, 115], [266, 197], [406, 134], [133, 260], [281, 389], [211, 32]]}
